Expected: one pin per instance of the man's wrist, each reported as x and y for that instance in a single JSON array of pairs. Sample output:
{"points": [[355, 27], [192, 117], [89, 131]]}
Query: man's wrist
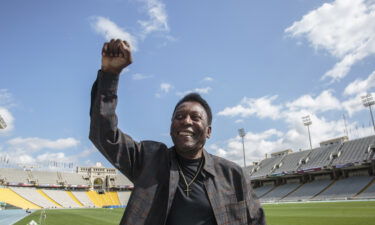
{"points": [[111, 70]]}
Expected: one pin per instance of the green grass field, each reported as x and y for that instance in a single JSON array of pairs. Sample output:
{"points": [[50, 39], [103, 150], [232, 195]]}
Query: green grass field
{"points": [[77, 217], [330, 213], [327, 213]]}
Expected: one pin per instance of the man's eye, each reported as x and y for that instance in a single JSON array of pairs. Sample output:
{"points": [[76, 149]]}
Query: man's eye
{"points": [[195, 117], [179, 116]]}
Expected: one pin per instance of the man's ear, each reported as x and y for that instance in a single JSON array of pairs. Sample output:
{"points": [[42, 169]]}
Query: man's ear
{"points": [[208, 135]]}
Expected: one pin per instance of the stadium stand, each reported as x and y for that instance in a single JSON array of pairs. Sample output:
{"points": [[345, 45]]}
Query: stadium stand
{"points": [[104, 199], [266, 166], [291, 162], [122, 181], [75, 199], [35, 197], [14, 176], [308, 190], [345, 188], [279, 192], [334, 160], [62, 198], [354, 151], [83, 198], [46, 178], [250, 169], [10, 197], [74, 179], [369, 191], [319, 158], [263, 190], [42, 193]]}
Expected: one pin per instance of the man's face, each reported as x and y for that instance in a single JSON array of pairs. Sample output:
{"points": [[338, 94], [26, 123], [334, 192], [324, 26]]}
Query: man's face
{"points": [[189, 128]]}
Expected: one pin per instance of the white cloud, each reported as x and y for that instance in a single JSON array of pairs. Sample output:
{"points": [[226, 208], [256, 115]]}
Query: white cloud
{"points": [[158, 18], [85, 153], [204, 90], [139, 76], [239, 121], [261, 107], [35, 143], [110, 30], [345, 28], [256, 146], [355, 90], [354, 104], [237, 110], [360, 86], [323, 102], [165, 87], [58, 156], [208, 79], [8, 119], [25, 157]]}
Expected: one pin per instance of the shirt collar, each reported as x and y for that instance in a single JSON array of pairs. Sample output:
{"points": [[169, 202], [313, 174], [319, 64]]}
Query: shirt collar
{"points": [[208, 162]]}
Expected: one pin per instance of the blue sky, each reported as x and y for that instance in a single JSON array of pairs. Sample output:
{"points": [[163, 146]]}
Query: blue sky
{"points": [[261, 65]]}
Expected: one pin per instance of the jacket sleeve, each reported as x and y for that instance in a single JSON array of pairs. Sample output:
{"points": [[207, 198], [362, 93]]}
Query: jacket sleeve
{"points": [[119, 148], [255, 212]]}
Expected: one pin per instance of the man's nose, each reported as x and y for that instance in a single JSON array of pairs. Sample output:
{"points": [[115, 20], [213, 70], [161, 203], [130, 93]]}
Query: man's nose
{"points": [[187, 120]]}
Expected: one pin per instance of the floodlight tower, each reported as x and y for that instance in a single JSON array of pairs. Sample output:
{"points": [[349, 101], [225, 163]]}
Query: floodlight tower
{"points": [[368, 101], [3, 125], [242, 134], [307, 122]]}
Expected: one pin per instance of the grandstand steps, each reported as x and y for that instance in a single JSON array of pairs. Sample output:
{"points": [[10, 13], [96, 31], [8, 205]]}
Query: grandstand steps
{"points": [[267, 192], [48, 198], [74, 198], [83, 198], [10, 197], [110, 198], [93, 196], [292, 191], [105, 199], [116, 199], [365, 187], [324, 189]]}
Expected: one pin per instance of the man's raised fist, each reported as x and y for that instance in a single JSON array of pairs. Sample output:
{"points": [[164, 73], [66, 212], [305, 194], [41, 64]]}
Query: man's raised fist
{"points": [[116, 55]]}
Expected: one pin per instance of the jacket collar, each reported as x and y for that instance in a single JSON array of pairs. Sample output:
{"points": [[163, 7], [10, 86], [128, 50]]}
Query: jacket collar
{"points": [[208, 163]]}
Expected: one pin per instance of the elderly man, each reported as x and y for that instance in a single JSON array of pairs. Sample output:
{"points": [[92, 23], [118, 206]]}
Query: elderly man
{"points": [[181, 185]]}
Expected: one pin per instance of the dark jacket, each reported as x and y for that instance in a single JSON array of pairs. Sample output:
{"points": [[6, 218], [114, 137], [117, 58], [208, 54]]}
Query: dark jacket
{"points": [[152, 167]]}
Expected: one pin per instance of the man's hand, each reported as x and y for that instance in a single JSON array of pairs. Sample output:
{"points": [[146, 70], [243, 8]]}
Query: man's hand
{"points": [[116, 56]]}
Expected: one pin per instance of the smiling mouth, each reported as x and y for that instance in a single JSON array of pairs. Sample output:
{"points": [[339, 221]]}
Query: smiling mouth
{"points": [[185, 133]]}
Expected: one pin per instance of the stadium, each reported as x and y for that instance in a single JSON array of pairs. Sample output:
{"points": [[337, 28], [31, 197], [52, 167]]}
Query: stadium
{"points": [[331, 184]]}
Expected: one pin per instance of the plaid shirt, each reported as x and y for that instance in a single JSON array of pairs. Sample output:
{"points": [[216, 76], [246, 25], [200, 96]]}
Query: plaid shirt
{"points": [[152, 167]]}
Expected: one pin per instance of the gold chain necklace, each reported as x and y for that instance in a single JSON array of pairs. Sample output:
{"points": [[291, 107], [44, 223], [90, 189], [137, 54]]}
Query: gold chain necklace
{"points": [[188, 189]]}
